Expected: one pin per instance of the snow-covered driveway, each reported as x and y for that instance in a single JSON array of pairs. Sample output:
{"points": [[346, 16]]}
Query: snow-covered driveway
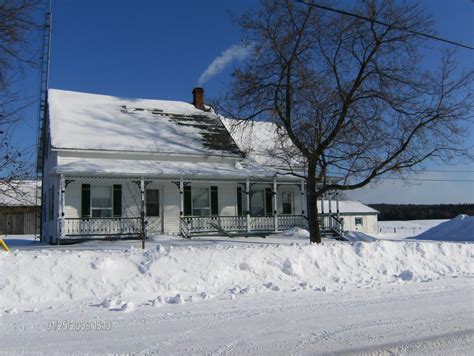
{"points": [[433, 318]]}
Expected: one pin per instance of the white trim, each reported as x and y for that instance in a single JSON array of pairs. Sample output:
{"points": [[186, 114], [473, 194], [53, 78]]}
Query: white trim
{"points": [[147, 153]]}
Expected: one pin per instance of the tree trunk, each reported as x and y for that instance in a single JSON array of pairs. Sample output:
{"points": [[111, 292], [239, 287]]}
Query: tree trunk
{"points": [[312, 207]]}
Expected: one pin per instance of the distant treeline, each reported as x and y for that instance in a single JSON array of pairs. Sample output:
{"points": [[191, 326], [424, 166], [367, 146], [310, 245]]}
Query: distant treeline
{"points": [[418, 212]]}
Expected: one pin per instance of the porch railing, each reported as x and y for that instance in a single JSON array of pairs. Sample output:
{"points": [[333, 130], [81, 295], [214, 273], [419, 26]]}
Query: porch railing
{"points": [[337, 225], [202, 224], [286, 222], [262, 223], [199, 224], [101, 226], [330, 222]]}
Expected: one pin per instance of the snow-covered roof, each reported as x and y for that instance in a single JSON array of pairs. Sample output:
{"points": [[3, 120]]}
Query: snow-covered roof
{"points": [[102, 122], [18, 193], [347, 207], [211, 170], [261, 141]]}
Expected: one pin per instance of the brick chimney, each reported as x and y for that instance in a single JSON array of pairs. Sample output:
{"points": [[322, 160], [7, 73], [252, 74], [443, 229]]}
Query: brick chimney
{"points": [[198, 98]]}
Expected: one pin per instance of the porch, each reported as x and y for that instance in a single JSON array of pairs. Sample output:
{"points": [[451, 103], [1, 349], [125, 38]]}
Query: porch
{"points": [[91, 206]]}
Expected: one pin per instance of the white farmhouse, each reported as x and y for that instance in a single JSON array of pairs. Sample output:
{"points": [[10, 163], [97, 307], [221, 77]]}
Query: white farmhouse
{"points": [[110, 164]]}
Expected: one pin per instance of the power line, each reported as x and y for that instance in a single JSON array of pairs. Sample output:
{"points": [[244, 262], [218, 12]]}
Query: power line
{"points": [[416, 179], [441, 171], [428, 179], [346, 13]]}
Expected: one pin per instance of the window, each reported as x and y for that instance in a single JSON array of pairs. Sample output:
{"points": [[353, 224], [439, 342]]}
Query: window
{"points": [[200, 202], [287, 203], [152, 200], [257, 203], [358, 221], [101, 202]]}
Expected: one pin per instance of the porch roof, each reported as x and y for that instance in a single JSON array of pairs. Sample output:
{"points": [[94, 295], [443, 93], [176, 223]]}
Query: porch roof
{"points": [[165, 169]]}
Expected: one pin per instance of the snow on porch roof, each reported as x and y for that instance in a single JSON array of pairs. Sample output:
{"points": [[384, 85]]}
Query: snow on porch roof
{"points": [[165, 169], [347, 207], [101, 122]]}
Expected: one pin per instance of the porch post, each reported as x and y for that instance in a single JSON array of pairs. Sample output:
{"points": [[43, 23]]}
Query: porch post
{"points": [[303, 198], [181, 197], [142, 212], [330, 208], [247, 194], [337, 205], [61, 219], [181, 202], [322, 210], [275, 206], [162, 208], [322, 203]]}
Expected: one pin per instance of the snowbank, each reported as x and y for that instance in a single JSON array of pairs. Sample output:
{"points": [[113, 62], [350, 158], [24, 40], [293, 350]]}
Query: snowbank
{"points": [[461, 228], [125, 279]]}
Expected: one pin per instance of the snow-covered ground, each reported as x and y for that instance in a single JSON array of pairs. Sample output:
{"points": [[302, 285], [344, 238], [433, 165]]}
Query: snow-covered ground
{"points": [[396, 230], [414, 318], [237, 296]]}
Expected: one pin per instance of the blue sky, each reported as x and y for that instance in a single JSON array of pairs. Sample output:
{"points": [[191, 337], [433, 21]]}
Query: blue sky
{"points": [[158, 49]]}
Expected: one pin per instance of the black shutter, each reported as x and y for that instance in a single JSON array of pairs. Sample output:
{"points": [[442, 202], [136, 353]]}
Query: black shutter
{"points": [[117, 200], [187, 201], [86, 201], [43, 207], [239, 201], [51, 213], [268, 201], [214, 201]]}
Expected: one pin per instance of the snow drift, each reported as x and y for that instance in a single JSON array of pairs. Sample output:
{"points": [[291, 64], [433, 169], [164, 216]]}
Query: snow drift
{"points": [[461, 228], [125, 279], [358, 236]]}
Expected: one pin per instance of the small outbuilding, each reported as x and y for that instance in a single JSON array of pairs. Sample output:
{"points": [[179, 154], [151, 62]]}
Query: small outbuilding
{"points": [[356, 216], [19, 208]]}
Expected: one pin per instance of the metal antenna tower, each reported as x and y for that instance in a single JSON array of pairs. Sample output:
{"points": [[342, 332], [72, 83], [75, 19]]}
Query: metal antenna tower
{"points": [[43, 108]]}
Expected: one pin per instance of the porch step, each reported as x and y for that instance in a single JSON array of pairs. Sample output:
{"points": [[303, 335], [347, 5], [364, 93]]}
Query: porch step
{"points": [[331, 234]]}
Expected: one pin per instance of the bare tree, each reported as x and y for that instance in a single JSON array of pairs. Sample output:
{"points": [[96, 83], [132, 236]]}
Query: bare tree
{"points": [[356, 99], [19, 50]]}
